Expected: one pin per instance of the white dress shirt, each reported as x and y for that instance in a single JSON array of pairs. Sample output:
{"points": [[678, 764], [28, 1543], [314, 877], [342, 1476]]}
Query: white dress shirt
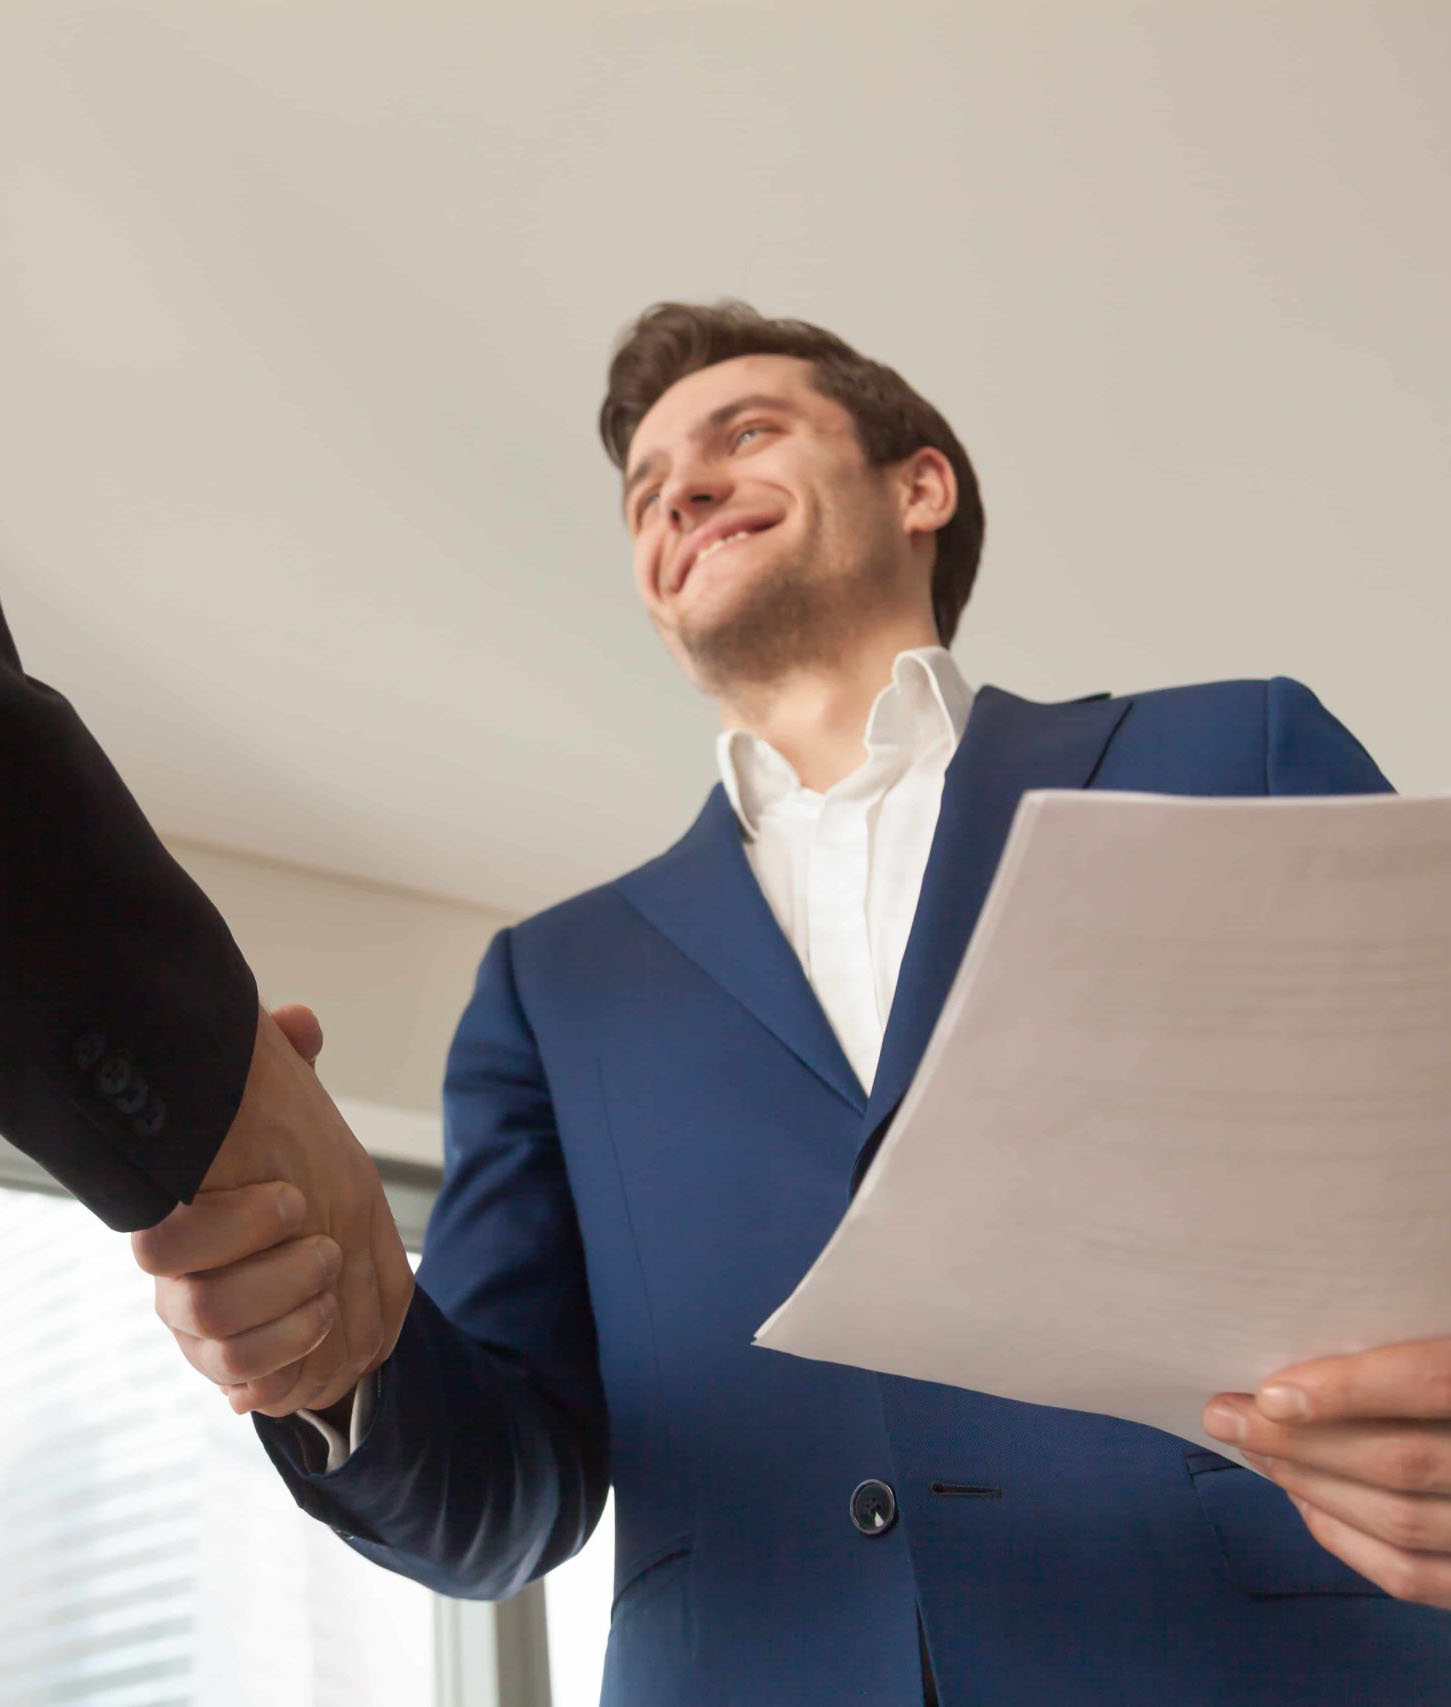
{"points": [[841, 870], [365, 1396]]}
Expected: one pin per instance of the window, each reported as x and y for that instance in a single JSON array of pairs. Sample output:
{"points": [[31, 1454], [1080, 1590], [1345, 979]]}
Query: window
{"points": [[153, 1558], [577, 1594]]}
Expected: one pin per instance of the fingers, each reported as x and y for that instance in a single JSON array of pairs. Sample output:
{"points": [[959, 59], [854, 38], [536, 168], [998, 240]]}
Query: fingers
{"points": [[232, 1280], [1410, 1456], [221, 1303], [263, 1350], [1408, 1575], [374, 1295], [328, 1373], [300, 1026], [1416, 1523], [252, 1325], [219, 1228], [311, 1383], [1409, 1379], [333, 1367]]}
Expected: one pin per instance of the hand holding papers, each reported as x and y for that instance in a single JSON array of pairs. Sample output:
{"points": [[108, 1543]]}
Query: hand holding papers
{"points": [[1185, 1118]]}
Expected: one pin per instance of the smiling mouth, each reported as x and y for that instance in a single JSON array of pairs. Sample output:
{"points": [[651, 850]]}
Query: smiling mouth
{"points": [[721, 545]]}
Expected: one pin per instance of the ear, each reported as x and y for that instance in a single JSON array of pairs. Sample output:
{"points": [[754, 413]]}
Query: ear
{"points": [[928, 488]]}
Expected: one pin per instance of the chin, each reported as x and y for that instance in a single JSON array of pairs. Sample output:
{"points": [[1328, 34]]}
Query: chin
{"points": [[770, 627]]}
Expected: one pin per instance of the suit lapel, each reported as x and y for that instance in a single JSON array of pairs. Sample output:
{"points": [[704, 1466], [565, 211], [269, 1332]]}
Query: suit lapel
{"points": [[704, 897], [1009, 745]]}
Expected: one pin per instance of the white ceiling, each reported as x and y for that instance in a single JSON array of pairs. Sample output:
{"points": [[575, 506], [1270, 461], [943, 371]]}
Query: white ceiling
{"points": [[305, 311]]}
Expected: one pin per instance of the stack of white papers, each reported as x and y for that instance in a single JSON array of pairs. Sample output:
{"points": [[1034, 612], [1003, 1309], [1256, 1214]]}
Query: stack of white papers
{"points": [[1185, 1117]]}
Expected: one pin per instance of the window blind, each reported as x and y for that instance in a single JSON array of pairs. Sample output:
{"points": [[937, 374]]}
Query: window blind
{"points": [[151, 1556]]}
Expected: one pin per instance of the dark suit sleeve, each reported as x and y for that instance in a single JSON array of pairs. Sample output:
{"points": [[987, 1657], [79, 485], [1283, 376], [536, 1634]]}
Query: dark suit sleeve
{"points": [[127, 1013], [486, 1461]]}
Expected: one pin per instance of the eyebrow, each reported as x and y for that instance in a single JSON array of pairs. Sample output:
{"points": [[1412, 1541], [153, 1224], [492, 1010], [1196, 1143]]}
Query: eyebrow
{"points": [[716, 419]]}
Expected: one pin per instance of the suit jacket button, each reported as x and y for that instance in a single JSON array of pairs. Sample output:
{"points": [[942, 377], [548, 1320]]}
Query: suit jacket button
{"points": [[113, 1075], [89, 1049], [873, 1507], [133, 1099], [150, 1122]]}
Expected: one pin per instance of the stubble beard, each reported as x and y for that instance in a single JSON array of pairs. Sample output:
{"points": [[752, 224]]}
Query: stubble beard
{"points": [[786, 621]]}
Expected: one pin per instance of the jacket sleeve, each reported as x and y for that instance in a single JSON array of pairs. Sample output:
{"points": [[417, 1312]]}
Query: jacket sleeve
{"points": [[127, 1013], [486, 1460], [1307, 751]]}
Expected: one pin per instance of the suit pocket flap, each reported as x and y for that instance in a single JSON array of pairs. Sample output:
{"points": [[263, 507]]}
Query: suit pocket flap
{"points": [[1262, 1538]]}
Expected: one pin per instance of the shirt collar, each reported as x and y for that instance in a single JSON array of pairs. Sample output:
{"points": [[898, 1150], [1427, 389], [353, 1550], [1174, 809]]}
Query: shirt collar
{"points": [[925, 702]]}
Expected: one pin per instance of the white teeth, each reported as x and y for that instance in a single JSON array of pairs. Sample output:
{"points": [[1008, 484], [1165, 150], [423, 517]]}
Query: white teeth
{"points": [[716, 544]]}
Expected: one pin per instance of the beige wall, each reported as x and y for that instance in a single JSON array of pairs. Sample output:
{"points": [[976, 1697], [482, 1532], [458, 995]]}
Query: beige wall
{"points": [[304, 329], [387, 972]]}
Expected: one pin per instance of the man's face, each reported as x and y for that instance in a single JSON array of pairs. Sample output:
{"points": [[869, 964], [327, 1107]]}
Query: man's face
{"points": [[750, 447]]}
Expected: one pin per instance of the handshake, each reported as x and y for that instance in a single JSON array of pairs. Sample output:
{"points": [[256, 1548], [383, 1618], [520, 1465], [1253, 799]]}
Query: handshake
{"points": [[285, 1281]]}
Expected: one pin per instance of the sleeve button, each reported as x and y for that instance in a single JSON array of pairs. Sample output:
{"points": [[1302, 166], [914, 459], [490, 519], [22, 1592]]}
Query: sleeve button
{"points": [[150, 1122], [133, 1099], [89, 1048], [113, 1075]]}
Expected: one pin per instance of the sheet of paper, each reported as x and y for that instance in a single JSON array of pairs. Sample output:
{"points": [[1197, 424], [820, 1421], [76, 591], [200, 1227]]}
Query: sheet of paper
{"points": [[1185, 1117]]}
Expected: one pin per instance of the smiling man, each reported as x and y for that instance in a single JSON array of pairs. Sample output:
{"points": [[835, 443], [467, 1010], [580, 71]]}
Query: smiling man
{"points": [[798, 569], [654, 1104]]}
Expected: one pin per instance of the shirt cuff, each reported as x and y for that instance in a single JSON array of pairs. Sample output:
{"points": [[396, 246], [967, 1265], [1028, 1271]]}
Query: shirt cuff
{"points": [[365, 1396]]}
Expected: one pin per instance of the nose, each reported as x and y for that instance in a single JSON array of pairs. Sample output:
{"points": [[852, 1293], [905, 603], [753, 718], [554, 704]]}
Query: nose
{"points": [[692, 491]]}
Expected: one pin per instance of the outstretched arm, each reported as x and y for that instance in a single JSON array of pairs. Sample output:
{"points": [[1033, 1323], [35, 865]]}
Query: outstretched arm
{"points": [[137, 1067]]}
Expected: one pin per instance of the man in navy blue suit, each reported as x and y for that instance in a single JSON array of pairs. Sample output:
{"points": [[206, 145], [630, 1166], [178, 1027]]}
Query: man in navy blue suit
{"points": [[654, 1105]]}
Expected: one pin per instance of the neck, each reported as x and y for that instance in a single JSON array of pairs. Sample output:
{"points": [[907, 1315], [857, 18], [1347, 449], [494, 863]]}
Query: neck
{"points": [[816, 715]]}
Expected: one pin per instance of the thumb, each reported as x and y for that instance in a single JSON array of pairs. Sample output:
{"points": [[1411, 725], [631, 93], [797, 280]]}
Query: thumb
{"points": [[299, 1025]]}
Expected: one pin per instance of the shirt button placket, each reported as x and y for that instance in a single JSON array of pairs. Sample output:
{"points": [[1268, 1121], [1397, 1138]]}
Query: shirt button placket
{"points": [[840, 945]]}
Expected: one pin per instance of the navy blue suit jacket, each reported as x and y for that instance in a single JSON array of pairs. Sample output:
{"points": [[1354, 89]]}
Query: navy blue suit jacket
{"points": [[650, 1132]]}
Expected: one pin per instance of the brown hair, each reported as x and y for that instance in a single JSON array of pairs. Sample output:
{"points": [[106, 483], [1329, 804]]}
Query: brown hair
{"points": [[673, 339]]}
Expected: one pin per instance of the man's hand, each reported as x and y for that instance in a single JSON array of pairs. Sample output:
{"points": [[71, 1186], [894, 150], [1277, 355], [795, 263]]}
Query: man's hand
{"points": [[1362, 1445], [285, 1281]]}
